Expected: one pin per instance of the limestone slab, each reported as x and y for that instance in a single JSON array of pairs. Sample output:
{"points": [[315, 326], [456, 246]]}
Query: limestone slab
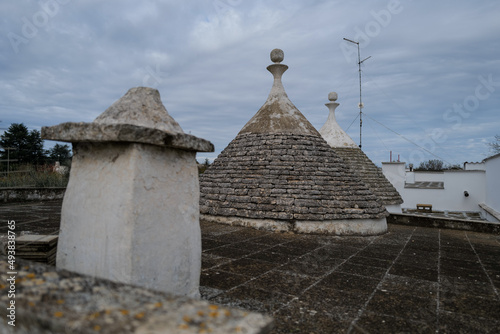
{"points": [[55, 301], [98, 132]]}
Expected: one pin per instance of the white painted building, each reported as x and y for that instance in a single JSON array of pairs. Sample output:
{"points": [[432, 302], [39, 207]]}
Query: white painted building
{"points": [[474, 189]]}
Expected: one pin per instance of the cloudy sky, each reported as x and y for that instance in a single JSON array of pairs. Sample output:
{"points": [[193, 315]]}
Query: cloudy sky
{"points": [[431, 88]]}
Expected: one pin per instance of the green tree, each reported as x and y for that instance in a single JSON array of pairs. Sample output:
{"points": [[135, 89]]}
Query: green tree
{"points": [[61, 153], [21, 144], [495, 145], [431, 165]]}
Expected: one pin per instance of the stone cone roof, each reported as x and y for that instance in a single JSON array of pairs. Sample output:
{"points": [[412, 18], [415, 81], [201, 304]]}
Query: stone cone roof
{"points": [[356, 159], [278, 168], [370, 174]]}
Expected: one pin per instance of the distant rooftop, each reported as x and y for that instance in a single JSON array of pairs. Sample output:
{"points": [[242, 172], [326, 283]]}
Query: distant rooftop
{"points": [[425, 185]]}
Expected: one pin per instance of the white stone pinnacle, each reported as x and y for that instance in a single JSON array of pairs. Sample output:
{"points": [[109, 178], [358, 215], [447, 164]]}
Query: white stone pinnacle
{"points": [[331, 131]]}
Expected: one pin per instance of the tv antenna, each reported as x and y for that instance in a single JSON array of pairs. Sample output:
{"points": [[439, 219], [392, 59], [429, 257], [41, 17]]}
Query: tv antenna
{"points": [[360, 101]]}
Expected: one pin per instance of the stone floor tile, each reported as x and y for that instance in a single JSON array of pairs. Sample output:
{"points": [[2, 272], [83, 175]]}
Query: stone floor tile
{"points": [[455, 264], [274, 257], [208, 261], [378, 323], [405, 285], [468, 274], [453, 323], [215, 231], [297, 319], [247, 267], [476, 306], [319, 259], [229, 251], [362, 270], [381, 253], [273, 239], [333, 251], [250, 246], [309, 267], [290, 250], [211, 243], [283, 282], [322, 297], [252, 299], [304, 244], [461, 285], [403, 269], [490, 259], [349, 282], [418, 260], [458, 253], [372, 262], [221, 280], [404, 306]]}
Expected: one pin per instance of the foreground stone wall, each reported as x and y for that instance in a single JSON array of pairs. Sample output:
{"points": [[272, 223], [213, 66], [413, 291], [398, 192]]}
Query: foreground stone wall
{"points": [[53, 301]]}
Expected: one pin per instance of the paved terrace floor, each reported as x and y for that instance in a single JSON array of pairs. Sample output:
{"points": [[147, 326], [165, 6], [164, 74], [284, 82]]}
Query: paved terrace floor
{"points": [[412, 279]]}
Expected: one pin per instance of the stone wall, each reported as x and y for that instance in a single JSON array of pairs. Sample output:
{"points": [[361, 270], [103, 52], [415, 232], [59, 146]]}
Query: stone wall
{"points": [[58, 301], [30, 194], [440, 222]]}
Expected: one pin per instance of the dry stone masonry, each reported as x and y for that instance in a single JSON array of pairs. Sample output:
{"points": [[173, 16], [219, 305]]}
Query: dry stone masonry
{"points": [[279, 173], [357, 160], [131, 209]]}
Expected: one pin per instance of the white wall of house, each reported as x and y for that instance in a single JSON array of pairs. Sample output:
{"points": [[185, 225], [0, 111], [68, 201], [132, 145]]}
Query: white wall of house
{"points": [[428, 176], [492, 166], [474, 166], [395, 173], [450, 198], [456, 182]]}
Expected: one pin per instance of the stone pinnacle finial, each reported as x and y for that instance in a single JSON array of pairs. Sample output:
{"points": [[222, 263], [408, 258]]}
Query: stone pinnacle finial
{"points": [[332, 96], [277, 56]]}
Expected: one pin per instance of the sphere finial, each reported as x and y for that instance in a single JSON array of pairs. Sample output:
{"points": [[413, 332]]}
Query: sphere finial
{"points": [[332, 96], [277, 56]]}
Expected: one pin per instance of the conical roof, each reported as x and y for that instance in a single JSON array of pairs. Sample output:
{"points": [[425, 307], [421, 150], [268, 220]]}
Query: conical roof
{"points": [[279, 173], [356, 159]]}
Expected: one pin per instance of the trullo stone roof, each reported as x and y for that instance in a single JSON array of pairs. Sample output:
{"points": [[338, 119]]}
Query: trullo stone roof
{"points": [[280, 174], [356, 159]]}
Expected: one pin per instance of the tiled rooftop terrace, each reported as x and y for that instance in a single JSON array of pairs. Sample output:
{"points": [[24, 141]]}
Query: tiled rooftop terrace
{"points": [[412, 279]]}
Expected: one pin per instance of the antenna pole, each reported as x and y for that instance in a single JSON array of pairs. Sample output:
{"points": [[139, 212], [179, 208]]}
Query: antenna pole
{"points": [[360, 100]]}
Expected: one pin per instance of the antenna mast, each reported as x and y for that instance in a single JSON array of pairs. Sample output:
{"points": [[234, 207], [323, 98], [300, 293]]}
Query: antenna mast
{"points": [[360, 100]]}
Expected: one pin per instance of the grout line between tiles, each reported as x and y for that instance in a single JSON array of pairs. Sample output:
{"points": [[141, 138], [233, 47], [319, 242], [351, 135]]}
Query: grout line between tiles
{"points": [[482, 266], [363, 309], [438, 295]]}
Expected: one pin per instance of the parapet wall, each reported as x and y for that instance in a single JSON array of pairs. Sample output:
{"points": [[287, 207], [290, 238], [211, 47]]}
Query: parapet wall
{"points": [[445, 223], [30, 194], [41, 299]]}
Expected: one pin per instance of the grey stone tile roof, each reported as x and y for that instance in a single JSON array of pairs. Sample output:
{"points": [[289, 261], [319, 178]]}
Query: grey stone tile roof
{"points": [[370, 174], [279, 167], [284, 176]]}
